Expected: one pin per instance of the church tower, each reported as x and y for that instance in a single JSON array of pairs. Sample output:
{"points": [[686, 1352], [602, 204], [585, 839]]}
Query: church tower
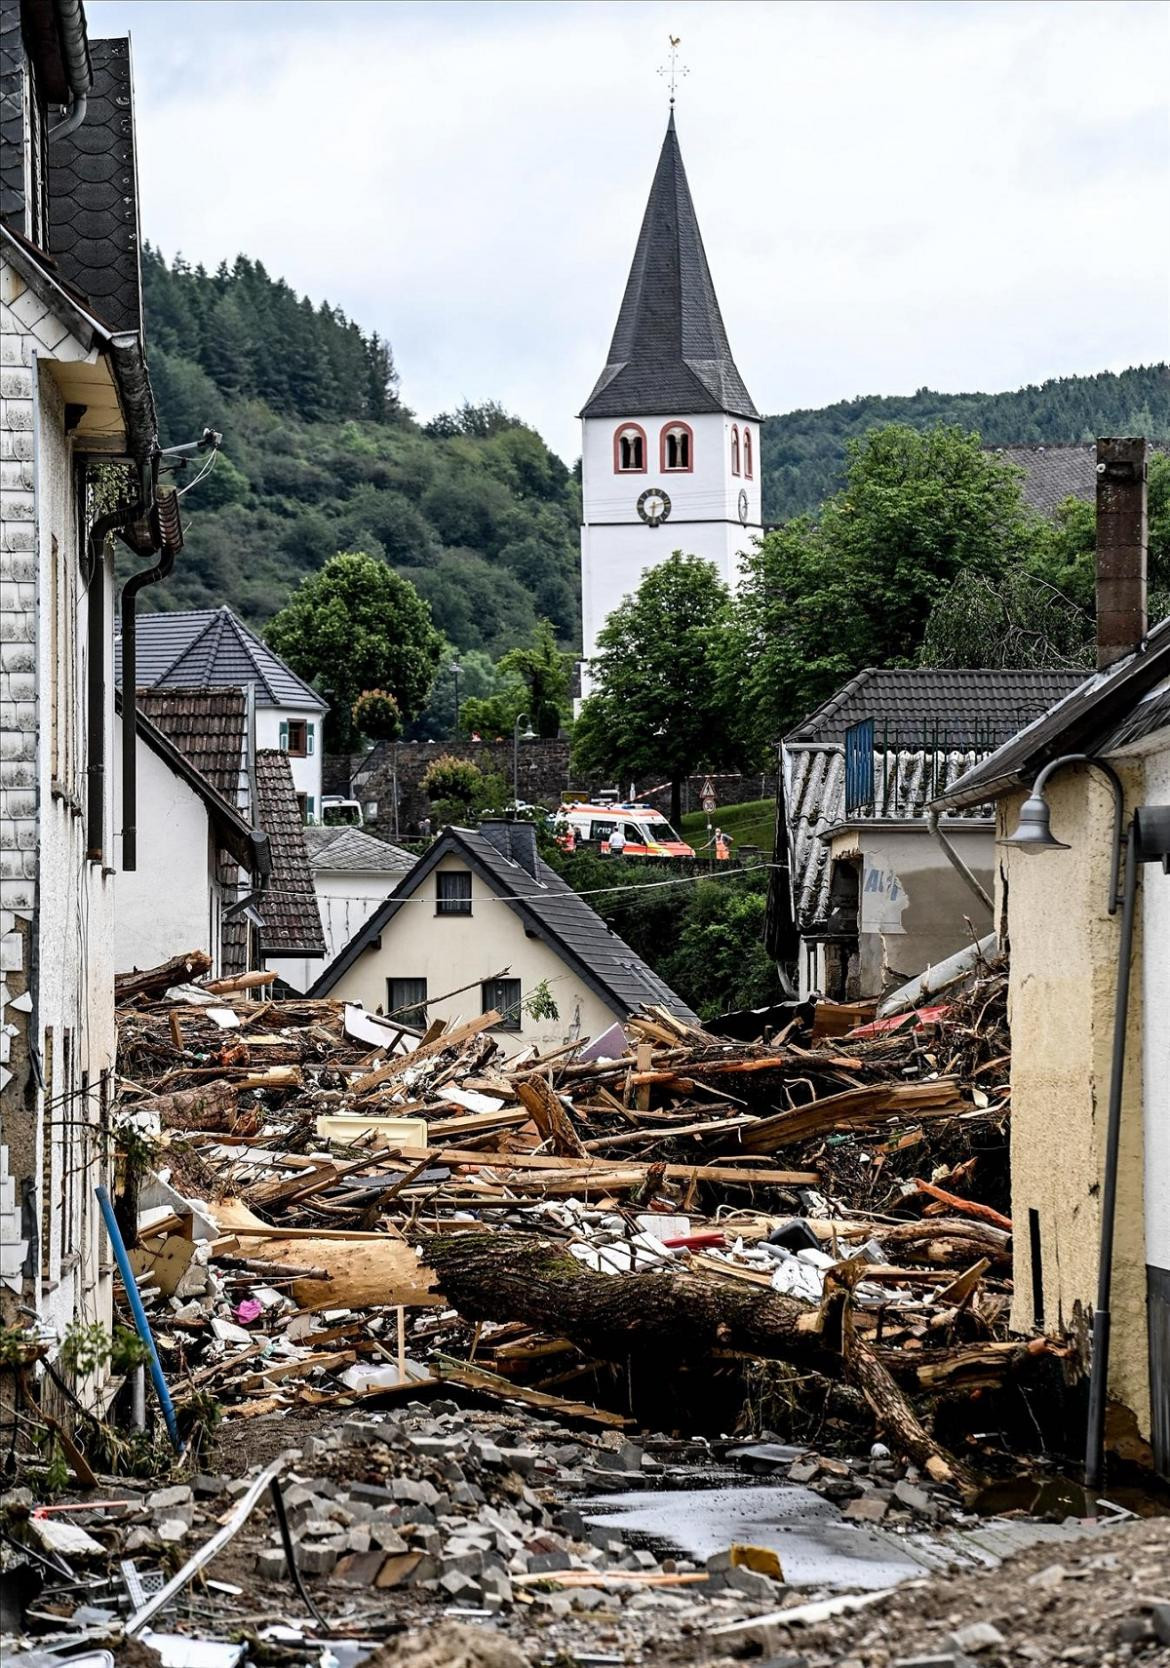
{"points": [[670, 453]]}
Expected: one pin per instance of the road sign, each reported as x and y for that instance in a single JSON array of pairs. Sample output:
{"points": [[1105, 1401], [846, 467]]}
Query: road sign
{"points": [[707, 794]]}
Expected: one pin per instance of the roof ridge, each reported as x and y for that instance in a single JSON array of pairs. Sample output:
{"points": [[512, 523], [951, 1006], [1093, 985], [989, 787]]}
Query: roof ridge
{"points": [[250, 642], [185, 650]]}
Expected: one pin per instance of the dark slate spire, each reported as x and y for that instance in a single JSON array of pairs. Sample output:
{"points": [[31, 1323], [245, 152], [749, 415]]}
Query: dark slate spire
{"points": [[669, 353]]}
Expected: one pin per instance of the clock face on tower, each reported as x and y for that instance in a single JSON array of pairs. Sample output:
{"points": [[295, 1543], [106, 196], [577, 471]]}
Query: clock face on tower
{"points": [[743, 506], [653, 506]]}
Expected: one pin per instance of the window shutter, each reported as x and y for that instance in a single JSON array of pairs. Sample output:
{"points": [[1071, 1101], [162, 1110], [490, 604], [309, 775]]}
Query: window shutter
{"points": [[284, 736], [310, 739]]}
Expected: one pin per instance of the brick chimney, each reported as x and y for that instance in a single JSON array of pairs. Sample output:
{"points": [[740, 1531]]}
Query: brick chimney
{"points": [[1121, 548]]}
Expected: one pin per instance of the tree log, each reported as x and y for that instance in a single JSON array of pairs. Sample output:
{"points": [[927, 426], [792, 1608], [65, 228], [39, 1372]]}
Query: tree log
{"points": [[670, 1314], [549, 1116], [153, 981]]}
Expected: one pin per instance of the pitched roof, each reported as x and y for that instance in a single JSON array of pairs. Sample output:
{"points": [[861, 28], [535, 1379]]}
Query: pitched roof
{"points": [[550, 911], [93, 194], [1105, 710], [210, 726], [670, 352], [980, 707], [292, 920], [1054, 473], [212, 646], [234, 834], [353, 851]]}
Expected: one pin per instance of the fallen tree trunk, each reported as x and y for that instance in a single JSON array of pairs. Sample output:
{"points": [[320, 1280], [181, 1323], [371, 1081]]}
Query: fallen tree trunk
{"points": [[667, 1314], [153, 981]]}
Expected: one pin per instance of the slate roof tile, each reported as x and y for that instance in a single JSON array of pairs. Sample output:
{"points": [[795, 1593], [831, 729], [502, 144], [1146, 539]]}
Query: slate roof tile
{"points": [[966, 706], [212, 646], [1054, 473], [353, 851], [93, 230], [670, 353]]}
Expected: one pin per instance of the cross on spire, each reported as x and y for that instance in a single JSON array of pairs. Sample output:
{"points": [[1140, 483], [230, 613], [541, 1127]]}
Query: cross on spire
{"points": [[674, 71]]}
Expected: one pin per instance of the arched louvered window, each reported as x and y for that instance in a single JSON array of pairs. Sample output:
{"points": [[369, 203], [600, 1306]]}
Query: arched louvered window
{"points": [[629, 450], [747, 453], [677, 448], [735, 448]]}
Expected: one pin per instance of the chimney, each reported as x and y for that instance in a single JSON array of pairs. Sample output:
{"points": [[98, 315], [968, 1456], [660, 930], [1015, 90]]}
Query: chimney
{"points": [[1121, 549], [512, 839]]}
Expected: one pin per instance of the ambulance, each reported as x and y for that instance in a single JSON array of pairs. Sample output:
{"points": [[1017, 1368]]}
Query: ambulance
{"points": [[586, 827]]}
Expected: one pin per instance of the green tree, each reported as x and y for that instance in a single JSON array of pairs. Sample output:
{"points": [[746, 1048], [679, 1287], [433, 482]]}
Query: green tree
{"points": [[822, 599], [357, 625], [544, 672], [659, 704], [377, 715], [459, 791]]}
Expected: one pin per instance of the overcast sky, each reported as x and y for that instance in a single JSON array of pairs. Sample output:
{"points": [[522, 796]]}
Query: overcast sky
{"points": [[892, 195]]}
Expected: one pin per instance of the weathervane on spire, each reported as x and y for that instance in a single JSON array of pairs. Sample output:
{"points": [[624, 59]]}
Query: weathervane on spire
{"points": [[674, 71]]}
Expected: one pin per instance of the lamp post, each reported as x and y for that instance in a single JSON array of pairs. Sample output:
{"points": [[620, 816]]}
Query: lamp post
{"points": [[529, 735], [456, 669], [1146, 840]]}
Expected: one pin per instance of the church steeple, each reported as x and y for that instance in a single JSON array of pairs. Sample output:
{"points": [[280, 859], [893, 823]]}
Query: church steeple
{"points": [[670, 351]]}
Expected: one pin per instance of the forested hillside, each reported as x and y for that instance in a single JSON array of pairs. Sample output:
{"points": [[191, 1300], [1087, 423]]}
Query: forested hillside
{"points": [[320, 455], [804, 451]]}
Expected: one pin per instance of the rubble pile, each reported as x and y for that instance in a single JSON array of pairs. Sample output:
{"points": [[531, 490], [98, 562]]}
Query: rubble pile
{"points": [[344, 1207]]}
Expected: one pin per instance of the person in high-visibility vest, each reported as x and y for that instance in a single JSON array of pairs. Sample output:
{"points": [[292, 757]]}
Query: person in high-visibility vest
{"points": [[722, 846]]}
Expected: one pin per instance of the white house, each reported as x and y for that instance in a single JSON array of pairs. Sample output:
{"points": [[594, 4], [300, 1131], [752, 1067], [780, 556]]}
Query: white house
{"points": [[352, 874], [74, 393], [670, 444], [211, 647], [481, 922]]}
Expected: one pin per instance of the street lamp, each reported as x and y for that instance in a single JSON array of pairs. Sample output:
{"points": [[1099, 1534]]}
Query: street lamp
{"points": [[1146, 840], [517, 738], [456, 669]]}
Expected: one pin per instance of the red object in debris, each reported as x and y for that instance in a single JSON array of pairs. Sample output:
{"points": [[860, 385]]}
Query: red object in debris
{"points": [[693, 1242], [920, 1016]]}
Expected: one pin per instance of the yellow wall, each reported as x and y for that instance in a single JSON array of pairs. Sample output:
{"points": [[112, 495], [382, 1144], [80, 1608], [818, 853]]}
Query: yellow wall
{"points": [[453, 950], [1061, 992]]}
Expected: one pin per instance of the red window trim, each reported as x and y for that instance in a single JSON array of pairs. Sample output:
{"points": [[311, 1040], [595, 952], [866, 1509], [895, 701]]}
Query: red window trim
{"points": [[735, 448], [677, 423], [748, 462], [626, 428]]}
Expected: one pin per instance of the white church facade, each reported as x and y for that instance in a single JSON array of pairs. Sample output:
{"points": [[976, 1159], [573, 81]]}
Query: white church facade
{"points": [[670, 454]]}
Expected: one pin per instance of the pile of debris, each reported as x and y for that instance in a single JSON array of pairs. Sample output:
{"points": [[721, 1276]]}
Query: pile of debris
{"points": [[344, 1209]]}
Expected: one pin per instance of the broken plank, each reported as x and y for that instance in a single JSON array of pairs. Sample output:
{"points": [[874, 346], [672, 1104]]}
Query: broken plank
{"points": [[447, 1371], [403, 1062]]}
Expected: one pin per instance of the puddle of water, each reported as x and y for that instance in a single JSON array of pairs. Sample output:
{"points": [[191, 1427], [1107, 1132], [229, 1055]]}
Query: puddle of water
{"points": [[806, 1532]]}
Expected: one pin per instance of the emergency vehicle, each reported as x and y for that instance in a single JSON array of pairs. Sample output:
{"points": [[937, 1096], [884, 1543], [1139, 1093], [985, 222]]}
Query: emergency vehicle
{"points": [[645, 830]]}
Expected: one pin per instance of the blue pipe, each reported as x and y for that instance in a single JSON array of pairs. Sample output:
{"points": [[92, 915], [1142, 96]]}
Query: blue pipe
{"points": [[142, 1325]]}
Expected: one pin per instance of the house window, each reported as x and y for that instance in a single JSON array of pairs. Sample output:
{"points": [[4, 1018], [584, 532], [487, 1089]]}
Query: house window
{"points": [[735, 448], [747, 453], [406, 999], [677, 447], [294, 738], [504, 996], [629, 450], [453, 892]]}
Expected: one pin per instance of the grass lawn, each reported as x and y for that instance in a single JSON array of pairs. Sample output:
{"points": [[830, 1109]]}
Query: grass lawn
{"points": [[752, 824]]}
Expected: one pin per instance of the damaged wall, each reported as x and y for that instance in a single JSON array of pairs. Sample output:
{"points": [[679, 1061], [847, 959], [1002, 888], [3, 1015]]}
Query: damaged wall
{"points": [[914, 907], [1061, 994]]}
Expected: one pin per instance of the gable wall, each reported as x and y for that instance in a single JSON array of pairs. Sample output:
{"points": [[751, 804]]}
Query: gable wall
{"points": [[453, 950]]}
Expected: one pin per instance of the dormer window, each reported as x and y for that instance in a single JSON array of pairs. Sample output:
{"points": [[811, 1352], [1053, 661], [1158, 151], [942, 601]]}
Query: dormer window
{"points": [[735, 448], [677, 447], [747, 453], [629, 450]]}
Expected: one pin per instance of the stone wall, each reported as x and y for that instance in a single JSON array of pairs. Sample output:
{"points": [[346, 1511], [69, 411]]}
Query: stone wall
{"points": [[394, 771]]}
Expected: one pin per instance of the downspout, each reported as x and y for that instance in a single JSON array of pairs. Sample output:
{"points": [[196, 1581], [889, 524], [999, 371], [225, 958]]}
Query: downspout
{"points": [[957, 863], [78, 70], [95, 768], [137, 582]]}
